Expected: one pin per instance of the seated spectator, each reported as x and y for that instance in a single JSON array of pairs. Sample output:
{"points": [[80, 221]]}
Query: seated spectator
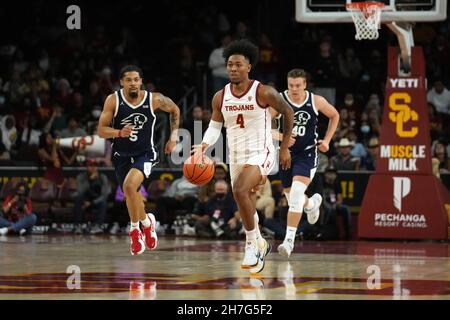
{"points": [[264, 200], [219, 216], [93, 189], [8, 133], [358, 149], [181, 195], [17, 215], [73, 129], [344, 160], [369, 162], [440, 153], [436, 122], [439, 96], [194, 120], [217, 65], [207, 191], [50, 157], [333, 206]]}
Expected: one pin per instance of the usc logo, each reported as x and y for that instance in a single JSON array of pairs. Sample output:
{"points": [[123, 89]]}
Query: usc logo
{"points": [[399, 102]]}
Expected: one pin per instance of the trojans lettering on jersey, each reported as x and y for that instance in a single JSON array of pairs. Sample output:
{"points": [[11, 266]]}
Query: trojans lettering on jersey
{"points": [[248, 124]]}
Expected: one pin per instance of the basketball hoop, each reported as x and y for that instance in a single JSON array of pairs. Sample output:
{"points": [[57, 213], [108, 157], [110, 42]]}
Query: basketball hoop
{"points": [[366, 16]]}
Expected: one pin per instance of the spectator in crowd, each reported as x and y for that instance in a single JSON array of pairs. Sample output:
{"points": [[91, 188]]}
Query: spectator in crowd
{"points": [[50, 157], [269, 58], [344, 124], [439, 96], [333, 206], [8, 133], [64, 94], [217, 65], [364, 129], [93, 189], [374, 120], [353, 109], [264, 200], [31, 132], [57, 122], [358, 150], [440, 153], [326, 72], [196, 119], [436, 122], [73, 129], [344, 160], [181, 195], [94, 97], [17, 216], [373, 103], [369, 161], [219, 216], [207, 191], [350, 68]]}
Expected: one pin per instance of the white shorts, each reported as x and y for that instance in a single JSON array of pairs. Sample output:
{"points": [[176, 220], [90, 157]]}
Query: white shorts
{"points": [[266, 163]]}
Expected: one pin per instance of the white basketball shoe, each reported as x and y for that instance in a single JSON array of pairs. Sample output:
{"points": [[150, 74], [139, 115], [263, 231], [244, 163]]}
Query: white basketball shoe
{"points": [[314, 213]]}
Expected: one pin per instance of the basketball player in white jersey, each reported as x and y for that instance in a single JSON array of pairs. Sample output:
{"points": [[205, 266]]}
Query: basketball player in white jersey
{"points": [[306, 107], [243, 106], [128, 117]]}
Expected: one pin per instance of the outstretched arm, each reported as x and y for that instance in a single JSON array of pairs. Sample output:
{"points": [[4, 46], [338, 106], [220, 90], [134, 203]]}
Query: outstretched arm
{"points": [[269, 96], [167, 105], [322, 105]]}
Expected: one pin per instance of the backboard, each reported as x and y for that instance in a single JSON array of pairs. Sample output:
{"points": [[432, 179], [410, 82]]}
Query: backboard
{"points": [[334, 11]]}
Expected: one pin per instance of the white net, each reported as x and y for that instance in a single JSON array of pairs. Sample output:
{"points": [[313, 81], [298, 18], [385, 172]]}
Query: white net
{"points": [[366, 17]]}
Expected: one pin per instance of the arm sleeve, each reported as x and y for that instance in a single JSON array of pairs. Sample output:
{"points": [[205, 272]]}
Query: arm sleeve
{"points": [[212, 134]]}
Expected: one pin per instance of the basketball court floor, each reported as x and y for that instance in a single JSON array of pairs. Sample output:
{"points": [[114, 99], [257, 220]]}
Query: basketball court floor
{"points": [[101, 267]]}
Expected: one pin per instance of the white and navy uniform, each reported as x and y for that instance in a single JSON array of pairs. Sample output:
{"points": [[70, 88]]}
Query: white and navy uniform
{"points": [[248, 125], [304, 155], [138, 150]]}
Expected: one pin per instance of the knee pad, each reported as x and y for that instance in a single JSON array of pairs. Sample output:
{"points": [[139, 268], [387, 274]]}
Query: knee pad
{"points": [[297, 197]]}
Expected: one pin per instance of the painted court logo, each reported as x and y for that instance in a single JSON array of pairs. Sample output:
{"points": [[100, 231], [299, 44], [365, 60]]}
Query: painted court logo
{"points": [[402, 187]]}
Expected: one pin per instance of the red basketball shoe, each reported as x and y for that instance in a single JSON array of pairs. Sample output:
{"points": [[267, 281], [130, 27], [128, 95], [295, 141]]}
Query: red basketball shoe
{"points": [[150, 236], [137, 242]]}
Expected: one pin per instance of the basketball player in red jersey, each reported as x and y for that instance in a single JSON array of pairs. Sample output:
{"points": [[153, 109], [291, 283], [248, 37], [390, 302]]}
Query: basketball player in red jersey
{"points": [[243, 106]]}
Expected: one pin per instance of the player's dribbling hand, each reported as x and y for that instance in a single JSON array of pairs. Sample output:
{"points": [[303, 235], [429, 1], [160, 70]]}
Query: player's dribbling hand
{"points": [[170, 145], [125, 131], [285, 158], [323, 145], [199, 148]]}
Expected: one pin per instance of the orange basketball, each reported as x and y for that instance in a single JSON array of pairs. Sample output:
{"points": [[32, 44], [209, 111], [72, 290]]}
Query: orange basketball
{"points": [[198, 169]]}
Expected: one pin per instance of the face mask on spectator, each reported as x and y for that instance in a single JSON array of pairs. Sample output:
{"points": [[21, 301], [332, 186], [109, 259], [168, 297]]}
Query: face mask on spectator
{"points": [[220, 195], [348, 102], [365, 128], [96, 113]]}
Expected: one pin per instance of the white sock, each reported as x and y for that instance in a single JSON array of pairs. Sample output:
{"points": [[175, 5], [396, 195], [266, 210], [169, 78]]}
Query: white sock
{"points": [[134, 225], [290, 234], [259, 238], [146, 222], [310, 204], [3, 231], [250, 235]]}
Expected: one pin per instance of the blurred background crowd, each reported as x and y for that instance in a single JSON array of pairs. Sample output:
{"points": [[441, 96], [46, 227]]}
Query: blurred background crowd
{"points": [[53, 83]]}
